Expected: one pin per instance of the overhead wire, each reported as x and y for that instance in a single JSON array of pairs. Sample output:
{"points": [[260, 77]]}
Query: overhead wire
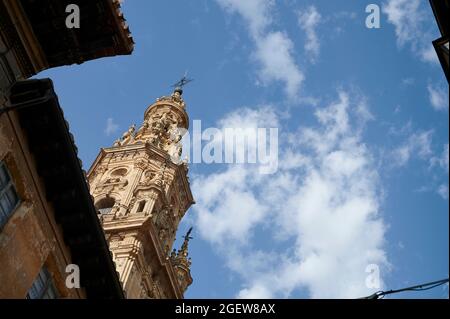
{"points": [[421, 287]]}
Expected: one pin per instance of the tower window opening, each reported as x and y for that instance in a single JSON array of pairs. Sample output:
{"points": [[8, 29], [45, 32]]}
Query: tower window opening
{"points": [[141, 206], [105, 205]]}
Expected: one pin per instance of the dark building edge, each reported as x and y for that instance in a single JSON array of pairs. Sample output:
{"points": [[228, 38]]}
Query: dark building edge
{"points": [[441, 11], [55, 153]]}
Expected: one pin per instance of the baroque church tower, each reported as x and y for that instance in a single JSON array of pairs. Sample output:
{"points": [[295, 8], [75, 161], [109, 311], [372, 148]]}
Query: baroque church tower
{"points": [[141, 191]]}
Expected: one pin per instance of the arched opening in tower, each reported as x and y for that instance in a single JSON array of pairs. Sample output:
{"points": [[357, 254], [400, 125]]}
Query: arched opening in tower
{"points": [[105, 205]]}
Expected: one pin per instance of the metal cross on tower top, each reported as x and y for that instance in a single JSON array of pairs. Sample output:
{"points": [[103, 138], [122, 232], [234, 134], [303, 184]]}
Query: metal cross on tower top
{"points": [[187, 237], [184, 247], [180, 84]]}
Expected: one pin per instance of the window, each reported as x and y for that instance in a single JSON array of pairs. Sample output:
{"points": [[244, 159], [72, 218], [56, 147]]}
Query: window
{"points": [[141, 206], [105, 205], [8, 195], [43, 287]]}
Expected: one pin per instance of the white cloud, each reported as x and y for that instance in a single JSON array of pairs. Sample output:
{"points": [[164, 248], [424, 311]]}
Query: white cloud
{"points": [[274, 52], [408, 81], [417, 143], [443, 191], [404, 15], [111, 127], [308, 21], [257, 291], [410, 19], [228, 194], [428, 54], [227, 208], [322, 204], [273, 49], [438, 97], [256, 13], [442, 160]]}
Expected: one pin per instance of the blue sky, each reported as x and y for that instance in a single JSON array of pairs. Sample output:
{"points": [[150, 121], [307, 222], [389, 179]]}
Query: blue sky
{"points": [[363, 138]]}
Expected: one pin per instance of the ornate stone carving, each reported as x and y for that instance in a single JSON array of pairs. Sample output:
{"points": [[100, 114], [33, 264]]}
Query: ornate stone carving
{"points": [[142, 130], [155, 178], [111, 184], [175, 148], [175, 97], [100, 170], [141, 164], [127, 137], [143, 294], [156, 291], [148, 177]]}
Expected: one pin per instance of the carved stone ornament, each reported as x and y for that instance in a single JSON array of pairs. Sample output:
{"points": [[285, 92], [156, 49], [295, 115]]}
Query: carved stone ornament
{"points": [[141, 164]]}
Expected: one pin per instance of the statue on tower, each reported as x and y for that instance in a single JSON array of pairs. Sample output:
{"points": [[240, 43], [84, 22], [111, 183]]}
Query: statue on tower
{"points": [[127, 137]]}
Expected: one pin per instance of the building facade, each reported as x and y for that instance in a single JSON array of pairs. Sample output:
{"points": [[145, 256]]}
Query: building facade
{"points": [[141, 190], [47, 218], [32, 248], [48, 222]]}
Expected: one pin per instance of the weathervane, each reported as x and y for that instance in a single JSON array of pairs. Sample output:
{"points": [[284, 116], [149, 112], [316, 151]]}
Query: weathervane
{"points": [[180, 84]]}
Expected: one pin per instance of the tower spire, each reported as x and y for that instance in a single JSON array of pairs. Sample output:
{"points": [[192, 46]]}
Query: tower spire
{"points": [[182, 262]]}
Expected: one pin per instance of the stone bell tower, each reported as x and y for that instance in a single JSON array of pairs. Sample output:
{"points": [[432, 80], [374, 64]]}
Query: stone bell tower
{"points": [[141, 190]]}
